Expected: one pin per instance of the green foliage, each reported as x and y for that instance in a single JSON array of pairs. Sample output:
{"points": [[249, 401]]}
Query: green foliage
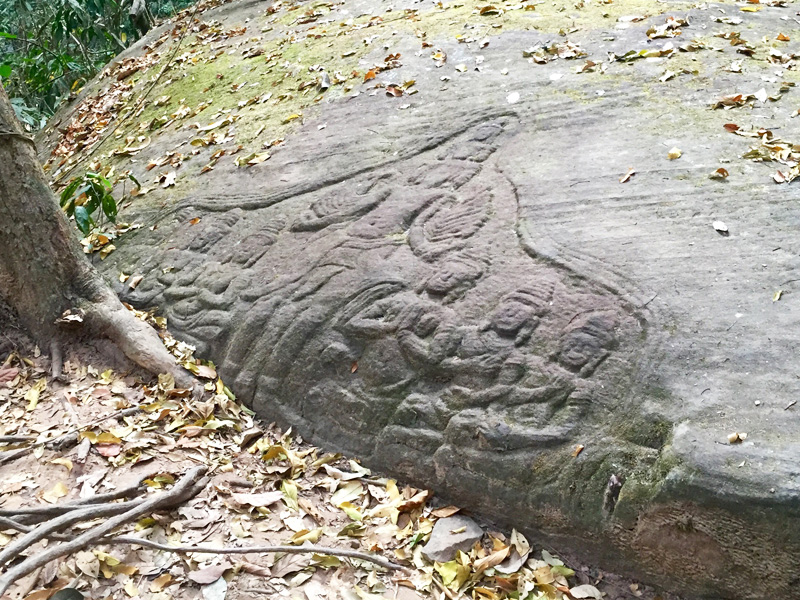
{"points": [[50, 48], [85, 195]]}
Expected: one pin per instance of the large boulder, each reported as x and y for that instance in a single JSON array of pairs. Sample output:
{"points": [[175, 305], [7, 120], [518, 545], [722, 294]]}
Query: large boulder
{"points": [[467, 287]]}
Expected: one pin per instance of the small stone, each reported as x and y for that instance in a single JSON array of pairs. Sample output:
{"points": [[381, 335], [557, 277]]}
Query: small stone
{"points": [[450, 535]]}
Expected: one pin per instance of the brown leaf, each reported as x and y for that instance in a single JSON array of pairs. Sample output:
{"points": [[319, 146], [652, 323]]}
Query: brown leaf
{"points": [[415, 501], [8, 374], [487, 562], [209, 574], [445, 511], [394, 90], [370, 75]]}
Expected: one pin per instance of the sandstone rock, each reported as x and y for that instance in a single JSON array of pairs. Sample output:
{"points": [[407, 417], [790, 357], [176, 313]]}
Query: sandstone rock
{"points": [[464, 292], [450, 535]]}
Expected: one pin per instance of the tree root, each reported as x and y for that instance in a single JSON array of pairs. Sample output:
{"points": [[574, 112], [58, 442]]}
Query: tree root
{"points": [[190, 485], [306, 549], [138, 341]]}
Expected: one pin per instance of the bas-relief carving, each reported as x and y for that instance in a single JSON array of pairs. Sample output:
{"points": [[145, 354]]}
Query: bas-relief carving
{"points": [[416, 276]]}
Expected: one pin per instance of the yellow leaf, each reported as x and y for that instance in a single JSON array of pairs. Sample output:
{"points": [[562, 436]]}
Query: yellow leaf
{"points": [[448, 571], [64, 462], [126, 569], [674, 153], [292, 117], [32, 395], [59, 490], [160, 582], [289, 489], [108, 438], [544, 575], [305, 535], [131, 589], [351, 510]]}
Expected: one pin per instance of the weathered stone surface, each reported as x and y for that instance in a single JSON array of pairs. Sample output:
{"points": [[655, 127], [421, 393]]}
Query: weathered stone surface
{"points": [[461, 291], [450, 535]]}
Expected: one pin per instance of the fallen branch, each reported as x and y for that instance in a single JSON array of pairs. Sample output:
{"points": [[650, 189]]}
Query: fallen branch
{"points": [[10, 455], [307, 549], [86, 513], [96, 500], [190, 485], [16, 439]]}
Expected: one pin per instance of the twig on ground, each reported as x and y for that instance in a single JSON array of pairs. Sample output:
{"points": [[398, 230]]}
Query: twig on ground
{"points": [[191, 484], [56, 360], [16, 439], [308, 549], [10, 455]]}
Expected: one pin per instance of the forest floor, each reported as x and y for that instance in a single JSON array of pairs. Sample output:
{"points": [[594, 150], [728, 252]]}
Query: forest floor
{"points": [[265, 487]]}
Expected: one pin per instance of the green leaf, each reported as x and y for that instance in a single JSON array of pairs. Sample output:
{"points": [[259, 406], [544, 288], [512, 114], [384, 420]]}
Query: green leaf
{"points": [[5, 71], [83, 220], [7, 35], [134, 180], [69, 192], [110, 207]]}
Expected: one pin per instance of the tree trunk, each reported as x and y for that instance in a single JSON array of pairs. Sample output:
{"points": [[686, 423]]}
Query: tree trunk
{"points": [[43, 270]]}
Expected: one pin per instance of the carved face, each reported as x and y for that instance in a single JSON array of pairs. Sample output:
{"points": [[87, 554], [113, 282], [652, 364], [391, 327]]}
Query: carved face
{"points": [[588, 342]]}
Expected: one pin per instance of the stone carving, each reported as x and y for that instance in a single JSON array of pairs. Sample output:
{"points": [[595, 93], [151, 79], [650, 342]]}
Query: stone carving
{"points": [[396, 309]]}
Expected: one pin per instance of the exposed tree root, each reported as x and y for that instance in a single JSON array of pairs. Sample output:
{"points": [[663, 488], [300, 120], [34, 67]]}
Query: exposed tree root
{"points": [[189, 486], [107, 317], [305, 549]]}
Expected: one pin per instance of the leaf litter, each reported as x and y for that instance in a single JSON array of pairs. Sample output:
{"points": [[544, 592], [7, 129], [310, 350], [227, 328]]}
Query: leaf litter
{"points": [[267, 486]]}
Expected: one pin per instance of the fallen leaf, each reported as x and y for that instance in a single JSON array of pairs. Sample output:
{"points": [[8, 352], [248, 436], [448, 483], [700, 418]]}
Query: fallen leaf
{"points": [[216, 590], [64, 462], [674, 153], [586, 591], [631, 172], [52, 495], [445, 511], [209, 574], [257, 500]]}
